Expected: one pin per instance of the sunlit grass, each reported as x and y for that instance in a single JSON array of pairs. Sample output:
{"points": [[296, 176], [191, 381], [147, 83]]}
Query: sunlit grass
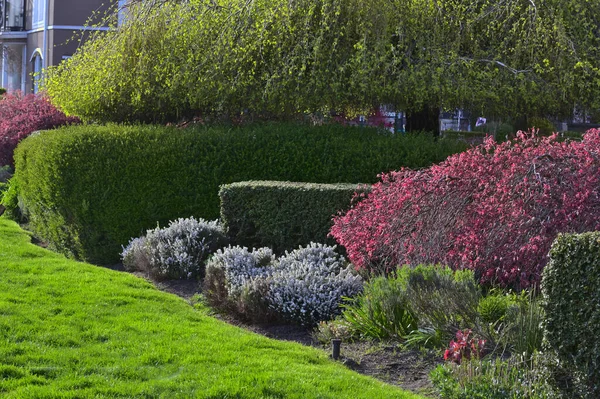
{"points": [[73, 330]]}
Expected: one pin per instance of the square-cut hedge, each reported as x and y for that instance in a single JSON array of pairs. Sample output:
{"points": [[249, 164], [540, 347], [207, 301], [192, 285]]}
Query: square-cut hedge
{"points": [[571, 292], [283, 215], [88, 189]]}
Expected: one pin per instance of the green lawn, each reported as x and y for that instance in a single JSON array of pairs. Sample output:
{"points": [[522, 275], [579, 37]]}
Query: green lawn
{"points": [[73, 330]]}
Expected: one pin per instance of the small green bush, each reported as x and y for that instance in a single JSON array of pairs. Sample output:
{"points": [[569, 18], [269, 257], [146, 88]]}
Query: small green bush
{"points": [[499, 130], [444, 300], [515, 378], [522, 331], [571, 300], [424, 305], [493, 308], [3, 188], [382, 311], [10, 201], [282, 215], [88, 189]]}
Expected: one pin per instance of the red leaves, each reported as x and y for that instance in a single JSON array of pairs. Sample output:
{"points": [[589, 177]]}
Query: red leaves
{"points": [[464, 347], [495, 208], [20, 115]]}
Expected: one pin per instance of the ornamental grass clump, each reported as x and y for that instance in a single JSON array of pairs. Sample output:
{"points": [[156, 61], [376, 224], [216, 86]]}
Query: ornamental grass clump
{"points": [[304, 286], [176, 251], [494, 209]]}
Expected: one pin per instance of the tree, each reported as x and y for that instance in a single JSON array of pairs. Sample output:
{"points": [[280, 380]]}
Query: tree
{"points": [[279, 58]]}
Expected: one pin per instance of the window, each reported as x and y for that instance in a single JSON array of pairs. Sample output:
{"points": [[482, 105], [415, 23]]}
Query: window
{"points": [[38, 11], [37, 69]]}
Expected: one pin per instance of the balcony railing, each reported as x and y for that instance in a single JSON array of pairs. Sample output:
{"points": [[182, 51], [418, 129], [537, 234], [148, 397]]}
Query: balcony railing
{"points": [[12, 15]]}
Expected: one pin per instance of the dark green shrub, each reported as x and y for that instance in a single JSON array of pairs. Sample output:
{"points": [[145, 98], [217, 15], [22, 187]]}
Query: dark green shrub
{"points": [[571, 300], [88, 189], [282, 215], [501, 131], [2, 90]]}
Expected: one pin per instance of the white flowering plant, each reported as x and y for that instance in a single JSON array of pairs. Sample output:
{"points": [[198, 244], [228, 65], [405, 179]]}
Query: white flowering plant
{"points": [[176, 251], [308, 284], [237, 279], [304, 286]]}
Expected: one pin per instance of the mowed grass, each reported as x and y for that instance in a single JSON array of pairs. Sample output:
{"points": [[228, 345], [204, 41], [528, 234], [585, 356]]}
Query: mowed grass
{"points": [[73, 330]]}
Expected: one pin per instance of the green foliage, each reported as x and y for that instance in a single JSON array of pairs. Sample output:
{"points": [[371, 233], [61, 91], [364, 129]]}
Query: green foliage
{"points": [[10, 201], [522, 331], [73, 330], [382, 311], [88, 189], [515, 378], [444, 300], [493, 308], [282, 215], [337, 328], [2, 90], [424, 306], [543, 125], [276, 58], [499, 130], [571, 294]]}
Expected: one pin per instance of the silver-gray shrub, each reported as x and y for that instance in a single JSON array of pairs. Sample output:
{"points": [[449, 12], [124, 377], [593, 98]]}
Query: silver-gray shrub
{"points": [[304, 286], [237, 280], [176, 251], [308, 284]]}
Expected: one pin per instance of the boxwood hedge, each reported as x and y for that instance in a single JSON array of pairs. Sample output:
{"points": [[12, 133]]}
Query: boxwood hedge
{"points": [[283, 215], [88, 189], [571, 300]]}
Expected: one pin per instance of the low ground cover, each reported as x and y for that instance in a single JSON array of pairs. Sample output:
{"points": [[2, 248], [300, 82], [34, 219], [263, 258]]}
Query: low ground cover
{"points": [[70, 329]]}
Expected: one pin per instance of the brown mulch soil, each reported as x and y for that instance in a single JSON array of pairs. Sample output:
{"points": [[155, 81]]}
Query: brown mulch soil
{"points": [[408, 369]]}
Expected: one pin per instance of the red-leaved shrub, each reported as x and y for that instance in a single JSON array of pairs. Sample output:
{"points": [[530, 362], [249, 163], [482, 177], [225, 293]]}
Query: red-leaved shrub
{"points": [[495, 209], [465, 347], [20, 115]]}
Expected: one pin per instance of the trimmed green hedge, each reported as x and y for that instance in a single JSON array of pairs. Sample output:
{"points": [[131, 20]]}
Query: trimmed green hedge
{"points": [[88, 189], [571, 292], [283, 215]]}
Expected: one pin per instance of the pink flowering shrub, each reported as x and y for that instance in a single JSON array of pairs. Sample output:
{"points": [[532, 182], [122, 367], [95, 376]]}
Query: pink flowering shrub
{"points": [[20, 115], [495, 209], [464, 347]]}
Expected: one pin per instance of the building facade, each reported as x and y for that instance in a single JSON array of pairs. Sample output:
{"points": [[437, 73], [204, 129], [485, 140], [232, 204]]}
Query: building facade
{"points": [[35, 34]]}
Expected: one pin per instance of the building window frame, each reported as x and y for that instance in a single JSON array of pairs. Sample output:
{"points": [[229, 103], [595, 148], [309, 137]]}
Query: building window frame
{"points": [[37, 69], [38, 13]]}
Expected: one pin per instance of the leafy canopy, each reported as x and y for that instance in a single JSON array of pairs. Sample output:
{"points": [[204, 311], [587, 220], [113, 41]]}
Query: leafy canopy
{"points": [[277, 58]]}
